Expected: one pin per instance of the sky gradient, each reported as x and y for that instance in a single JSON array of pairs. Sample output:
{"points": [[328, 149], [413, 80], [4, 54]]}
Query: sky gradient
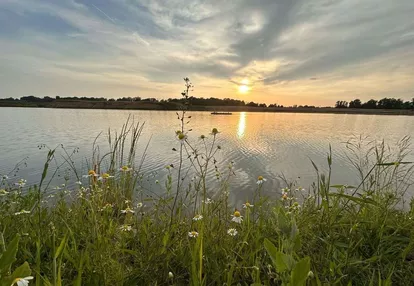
{"points": [[289, 51]]}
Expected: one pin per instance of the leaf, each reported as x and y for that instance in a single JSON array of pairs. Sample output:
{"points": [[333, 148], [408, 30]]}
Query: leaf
{"points": [[280, 260], [22, 271], [9, 256], [300, 272], [355, 199], [61, 246]]}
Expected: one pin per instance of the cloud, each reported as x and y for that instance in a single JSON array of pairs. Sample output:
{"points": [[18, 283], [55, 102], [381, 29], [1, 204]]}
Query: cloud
{"points": [[292, 51]]}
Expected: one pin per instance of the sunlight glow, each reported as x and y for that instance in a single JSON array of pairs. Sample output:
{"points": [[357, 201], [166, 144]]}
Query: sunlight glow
{"points": [[243, 88], [242, 125]]}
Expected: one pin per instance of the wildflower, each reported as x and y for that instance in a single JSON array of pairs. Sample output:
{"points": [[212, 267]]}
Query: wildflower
{"points": [[284, 197], [3, 192], [4, 177], [202, 137], [214, 131], [22, 212], [247, 205], [232, 232], [127, 210], [237, 217], [21, 183], [105, 176], [170, 275], [140, 205], [22, 281], [193, 234], [125, 228], [127, 202], [285, 190], [197, 217], [300, 189], [178, 132], [125, 169], [182, 137], [106, 207], [207, 201], [260, 180]]}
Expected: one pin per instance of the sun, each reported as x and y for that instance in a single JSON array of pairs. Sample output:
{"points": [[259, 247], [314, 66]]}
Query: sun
{"points": [[244, 86]]}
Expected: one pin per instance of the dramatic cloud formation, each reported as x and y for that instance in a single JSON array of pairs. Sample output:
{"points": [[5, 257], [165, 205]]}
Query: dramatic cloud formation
{"points": [[291, 51]]}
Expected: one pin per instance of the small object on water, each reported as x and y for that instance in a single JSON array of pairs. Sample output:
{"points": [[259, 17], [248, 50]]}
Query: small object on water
{"points": [[221, 113]]}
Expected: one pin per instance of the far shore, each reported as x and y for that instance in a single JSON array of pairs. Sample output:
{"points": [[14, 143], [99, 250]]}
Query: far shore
{"points": [[145, 105]]}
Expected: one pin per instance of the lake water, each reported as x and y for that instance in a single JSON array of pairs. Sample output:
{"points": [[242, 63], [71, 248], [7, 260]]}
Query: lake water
{"points": [[267, 144]]}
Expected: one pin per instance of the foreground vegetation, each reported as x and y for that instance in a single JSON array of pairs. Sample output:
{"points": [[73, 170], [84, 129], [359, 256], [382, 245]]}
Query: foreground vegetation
{"points": [[110, 231]]}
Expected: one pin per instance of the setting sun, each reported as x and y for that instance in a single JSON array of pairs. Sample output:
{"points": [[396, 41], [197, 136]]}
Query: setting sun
{"points": [[243, 88]]}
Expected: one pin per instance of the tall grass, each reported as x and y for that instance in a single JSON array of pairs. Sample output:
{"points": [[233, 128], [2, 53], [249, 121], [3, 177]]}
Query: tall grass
{"points": [[113, 232]]}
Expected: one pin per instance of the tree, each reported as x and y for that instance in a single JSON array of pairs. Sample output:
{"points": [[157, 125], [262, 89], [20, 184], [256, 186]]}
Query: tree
{"points": [[356, 103], [371, 104], [341, 104]]}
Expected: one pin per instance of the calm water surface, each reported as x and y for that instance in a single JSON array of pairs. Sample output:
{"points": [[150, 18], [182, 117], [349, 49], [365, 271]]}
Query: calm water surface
{"points": [[267, 144]]}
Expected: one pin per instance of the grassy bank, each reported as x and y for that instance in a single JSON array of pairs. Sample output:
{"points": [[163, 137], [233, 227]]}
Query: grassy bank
{"points": [[122, 105], [109, 230]]}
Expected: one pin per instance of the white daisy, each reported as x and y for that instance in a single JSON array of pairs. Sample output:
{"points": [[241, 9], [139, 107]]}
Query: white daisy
{"points": [[3, 192], [127, 210], [125, 228], [247, 205], [4, 177], [22, 281], [237, 217], [140, 205], [232, 232], [125, 169], [193, 234], [181, 137], [260, 180], [197, 217], [21, 183], [91, 173], [208, 201], [105, 176], [22, 212]]}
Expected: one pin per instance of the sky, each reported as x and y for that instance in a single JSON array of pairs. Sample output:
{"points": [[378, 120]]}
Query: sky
{"points": [[287, 52]]}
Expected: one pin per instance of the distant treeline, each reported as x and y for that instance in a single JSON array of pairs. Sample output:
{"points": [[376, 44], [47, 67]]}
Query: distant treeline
{"points": [[193, 101], [385, 103]]}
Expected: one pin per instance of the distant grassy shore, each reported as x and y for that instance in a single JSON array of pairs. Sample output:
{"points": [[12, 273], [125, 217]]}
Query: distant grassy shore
{"points": [[146, 105]]}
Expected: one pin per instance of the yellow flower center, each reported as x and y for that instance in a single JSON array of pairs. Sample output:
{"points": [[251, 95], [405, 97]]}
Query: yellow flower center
{"points": [[193, 233], [237, 214], [125, 168], [214, 131], [181, 136], [260, 178], [247, 204], [91, 173], [178, 132], [284, 196], [105, 175]]}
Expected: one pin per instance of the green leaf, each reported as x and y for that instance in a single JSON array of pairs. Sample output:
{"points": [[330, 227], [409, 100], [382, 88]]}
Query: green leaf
{"points": [[22, 271], [9, 256], [282, 262], [61, 246], [355, 199], [300, 272]]}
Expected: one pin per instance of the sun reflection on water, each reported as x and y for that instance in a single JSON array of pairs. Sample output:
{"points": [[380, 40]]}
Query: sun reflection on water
{"points": [[242, 125]]}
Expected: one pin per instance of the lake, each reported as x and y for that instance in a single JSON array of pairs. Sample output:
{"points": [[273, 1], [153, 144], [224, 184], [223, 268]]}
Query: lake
{"points": [[267, 144]]}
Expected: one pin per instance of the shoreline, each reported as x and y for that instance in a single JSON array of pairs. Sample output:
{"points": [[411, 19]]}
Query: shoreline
{"points": [[175, 107]]}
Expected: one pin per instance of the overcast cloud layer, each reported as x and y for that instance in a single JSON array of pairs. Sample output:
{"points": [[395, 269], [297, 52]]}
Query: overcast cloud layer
{"points": [[291, 51]]}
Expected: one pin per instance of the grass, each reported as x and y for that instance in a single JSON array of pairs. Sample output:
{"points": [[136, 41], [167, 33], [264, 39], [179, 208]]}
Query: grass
{"points": [[113, 232]]}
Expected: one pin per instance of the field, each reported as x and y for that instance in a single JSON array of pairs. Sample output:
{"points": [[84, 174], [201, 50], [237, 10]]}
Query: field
{"points": [[111, 231]]}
